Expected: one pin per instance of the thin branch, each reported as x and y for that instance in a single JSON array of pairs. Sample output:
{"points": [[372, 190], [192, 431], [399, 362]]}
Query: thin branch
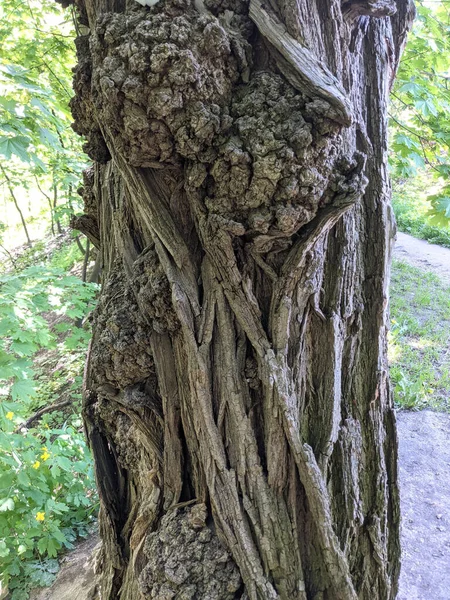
{"points": [[43, 411], [49, 203], [13, 196], [10, 256], [81, 248]]}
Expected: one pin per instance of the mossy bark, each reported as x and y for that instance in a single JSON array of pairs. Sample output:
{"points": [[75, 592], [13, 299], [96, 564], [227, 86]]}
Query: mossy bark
{"points": [[237, 395]]}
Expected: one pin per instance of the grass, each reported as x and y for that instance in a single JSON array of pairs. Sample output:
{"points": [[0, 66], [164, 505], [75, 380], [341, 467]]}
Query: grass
{"points": [[411, 207], [419, 340]]}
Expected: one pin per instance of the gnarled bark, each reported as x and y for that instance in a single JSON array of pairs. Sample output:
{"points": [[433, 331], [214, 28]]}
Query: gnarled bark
{"points": [[237, 397]]}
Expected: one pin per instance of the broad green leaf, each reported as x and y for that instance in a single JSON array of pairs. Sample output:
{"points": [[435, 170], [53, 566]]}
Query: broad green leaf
{"points": [[6, 504], [4, 550], [23, 389], [15, 145], [52, 547], [23, 478], [23, 348], [426, 107], [42, 545]]}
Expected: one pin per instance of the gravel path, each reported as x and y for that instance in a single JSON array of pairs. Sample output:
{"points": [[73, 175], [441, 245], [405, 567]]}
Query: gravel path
{"points": [[424, 467], [428, 257], [425, 500]]}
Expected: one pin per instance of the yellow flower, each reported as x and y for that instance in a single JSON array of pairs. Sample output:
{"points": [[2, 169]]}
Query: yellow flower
{"points": [[40, 516], [9, 415], [46, 454], [36, 465]]}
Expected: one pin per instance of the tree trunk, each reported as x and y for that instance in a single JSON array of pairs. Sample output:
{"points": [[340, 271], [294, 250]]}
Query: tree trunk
{"points": [[237, 395]]}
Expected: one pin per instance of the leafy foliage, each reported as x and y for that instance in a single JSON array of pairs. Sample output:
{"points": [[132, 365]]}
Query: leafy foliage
{"points": [[47, 491], [411, 202], [420, 110], [40, 152], [25, 297], [45, 501]]}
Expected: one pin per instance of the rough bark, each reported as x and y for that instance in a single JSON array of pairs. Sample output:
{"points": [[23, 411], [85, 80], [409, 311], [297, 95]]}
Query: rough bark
{"points": [[237, 396]]}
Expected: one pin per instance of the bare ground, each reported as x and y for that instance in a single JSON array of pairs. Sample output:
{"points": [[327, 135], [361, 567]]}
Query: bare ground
{"points": [[425, 500], [425, 256], [75, 580]]}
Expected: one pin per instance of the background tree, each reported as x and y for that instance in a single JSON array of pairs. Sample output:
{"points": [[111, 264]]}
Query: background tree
{"points": [[41, 158], [236, 392]]}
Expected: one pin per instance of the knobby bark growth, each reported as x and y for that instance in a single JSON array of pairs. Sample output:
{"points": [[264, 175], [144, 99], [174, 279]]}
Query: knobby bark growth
{"points": [[236, 391]]}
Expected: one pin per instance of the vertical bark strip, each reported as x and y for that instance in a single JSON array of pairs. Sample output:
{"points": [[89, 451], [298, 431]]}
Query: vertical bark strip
{"points": [[237, 397]]}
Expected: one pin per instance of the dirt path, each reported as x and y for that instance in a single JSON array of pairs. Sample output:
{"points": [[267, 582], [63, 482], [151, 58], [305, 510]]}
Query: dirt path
{"points": [[424, 467], [75, 580], [425, 500], [428, 257]]}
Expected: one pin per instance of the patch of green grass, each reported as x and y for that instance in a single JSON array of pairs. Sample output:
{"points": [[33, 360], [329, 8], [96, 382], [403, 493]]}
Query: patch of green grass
{"points": [[419, 340], [411, 206]]}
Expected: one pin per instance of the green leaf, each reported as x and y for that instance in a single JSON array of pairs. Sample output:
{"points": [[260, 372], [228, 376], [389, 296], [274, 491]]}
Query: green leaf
{"points": [[23, 348], [439, 214], [417, 159], [37, 162], [17, 145], [19, 594], [42, 545], [413, 88], [59, 536], [23, 389], [6, 504], [48, 137], [23, 479], [64, 463], [4, 550], [426, 107], [37, 496], [60, 507], [6, 480], [404, 140], [442, 205]]}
